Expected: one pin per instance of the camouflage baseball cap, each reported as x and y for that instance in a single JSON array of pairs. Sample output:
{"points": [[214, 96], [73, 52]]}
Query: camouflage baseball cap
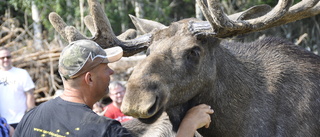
{"points": [[83, 55]]}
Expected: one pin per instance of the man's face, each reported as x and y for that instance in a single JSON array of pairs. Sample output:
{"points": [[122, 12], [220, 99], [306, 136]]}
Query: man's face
{"points": [[5, 60], [117, 94], [101, 75]]}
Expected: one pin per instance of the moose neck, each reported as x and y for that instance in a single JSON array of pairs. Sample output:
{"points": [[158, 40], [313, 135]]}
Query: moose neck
{"points": [[235, 79], [228, 93], [234, 88]]}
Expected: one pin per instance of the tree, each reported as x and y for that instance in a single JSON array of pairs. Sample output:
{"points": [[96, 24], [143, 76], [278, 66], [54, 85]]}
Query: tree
{"points": [[164, 11], [37, 36]]}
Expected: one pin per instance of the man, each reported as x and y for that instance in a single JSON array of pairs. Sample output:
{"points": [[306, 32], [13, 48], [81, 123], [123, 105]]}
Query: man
{"points": [[16, 90], [116, 94], [83, 66]]}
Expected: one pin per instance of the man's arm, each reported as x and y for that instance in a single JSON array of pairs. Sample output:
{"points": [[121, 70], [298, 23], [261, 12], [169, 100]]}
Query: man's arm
{"points": [[30, 99]]}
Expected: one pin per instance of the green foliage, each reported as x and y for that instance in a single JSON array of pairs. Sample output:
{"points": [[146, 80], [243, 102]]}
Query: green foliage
{"points": [[157, 11], [113, 14], [268, 2], [273, 2], [164, 11], [18, 8], [21, 4]]}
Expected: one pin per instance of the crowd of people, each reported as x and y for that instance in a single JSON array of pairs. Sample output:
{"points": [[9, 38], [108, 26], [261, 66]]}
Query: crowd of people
{"points": [[83, 67]]}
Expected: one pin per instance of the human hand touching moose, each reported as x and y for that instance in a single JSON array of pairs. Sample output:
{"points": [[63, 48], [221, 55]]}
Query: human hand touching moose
{"points": [[198, 116]]}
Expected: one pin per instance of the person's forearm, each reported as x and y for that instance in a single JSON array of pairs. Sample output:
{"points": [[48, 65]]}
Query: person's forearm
{"points": [[186, 129], [30, 99], [11, 131]]}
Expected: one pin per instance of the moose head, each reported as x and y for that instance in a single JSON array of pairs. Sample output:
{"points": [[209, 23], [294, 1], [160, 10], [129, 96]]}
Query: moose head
{"points": [[265, 88]]}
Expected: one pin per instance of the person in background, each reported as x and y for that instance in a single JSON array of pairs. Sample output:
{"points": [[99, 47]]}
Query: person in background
{"points": [[97, 108], [16, 90], [83, 67], [116, 94]]}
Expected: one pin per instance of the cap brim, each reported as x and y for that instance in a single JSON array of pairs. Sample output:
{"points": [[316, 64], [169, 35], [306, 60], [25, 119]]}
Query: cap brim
{"points": [[113, 54]]}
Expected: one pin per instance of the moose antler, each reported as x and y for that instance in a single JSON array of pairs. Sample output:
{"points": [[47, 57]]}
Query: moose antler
{"points": [[222, 26], [100, 28]]}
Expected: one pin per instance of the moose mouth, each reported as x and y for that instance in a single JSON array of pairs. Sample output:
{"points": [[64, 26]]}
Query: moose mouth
{"points": [[155, 112], [152, 118], [153, 109]]}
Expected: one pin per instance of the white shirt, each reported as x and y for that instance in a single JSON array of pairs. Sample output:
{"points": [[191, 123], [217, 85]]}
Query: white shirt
{"points": [[13, 85]]}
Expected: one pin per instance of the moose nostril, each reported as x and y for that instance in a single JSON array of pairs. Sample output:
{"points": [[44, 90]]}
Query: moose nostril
{"points": [[154, 107], [153, 87]]}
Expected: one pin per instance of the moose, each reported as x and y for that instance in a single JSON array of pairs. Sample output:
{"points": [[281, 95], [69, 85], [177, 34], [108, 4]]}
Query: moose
{"points": [[268, 87]]}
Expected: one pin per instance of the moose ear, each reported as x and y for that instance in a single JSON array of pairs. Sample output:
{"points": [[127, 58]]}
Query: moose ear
{"points": [[146, 26]]}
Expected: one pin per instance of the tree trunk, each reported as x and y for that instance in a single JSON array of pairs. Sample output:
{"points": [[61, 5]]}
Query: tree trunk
{"points": [[81, 3], [199, 14], [123, 14], [37, 30], [138, 4]]}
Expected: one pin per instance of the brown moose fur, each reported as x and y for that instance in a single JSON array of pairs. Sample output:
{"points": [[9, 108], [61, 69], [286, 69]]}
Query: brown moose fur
{"points": [[269, 87]]}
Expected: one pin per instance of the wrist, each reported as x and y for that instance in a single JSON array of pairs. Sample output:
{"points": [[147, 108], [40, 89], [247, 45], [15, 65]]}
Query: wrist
{"points": [[187, 128]]}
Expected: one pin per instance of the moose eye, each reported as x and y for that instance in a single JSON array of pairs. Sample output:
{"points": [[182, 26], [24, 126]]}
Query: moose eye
{"points": [[194, 54]]}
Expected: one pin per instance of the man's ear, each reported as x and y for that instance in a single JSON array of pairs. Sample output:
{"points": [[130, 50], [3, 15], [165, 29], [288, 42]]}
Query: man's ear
{"points": [[88, 78]]}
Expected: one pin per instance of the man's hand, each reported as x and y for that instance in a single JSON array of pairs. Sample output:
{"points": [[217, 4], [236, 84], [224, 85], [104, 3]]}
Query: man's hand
{"points": [[195, 118]]}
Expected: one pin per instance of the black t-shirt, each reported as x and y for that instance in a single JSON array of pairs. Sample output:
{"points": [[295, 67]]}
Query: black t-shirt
{"points": [[60, 118]]}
